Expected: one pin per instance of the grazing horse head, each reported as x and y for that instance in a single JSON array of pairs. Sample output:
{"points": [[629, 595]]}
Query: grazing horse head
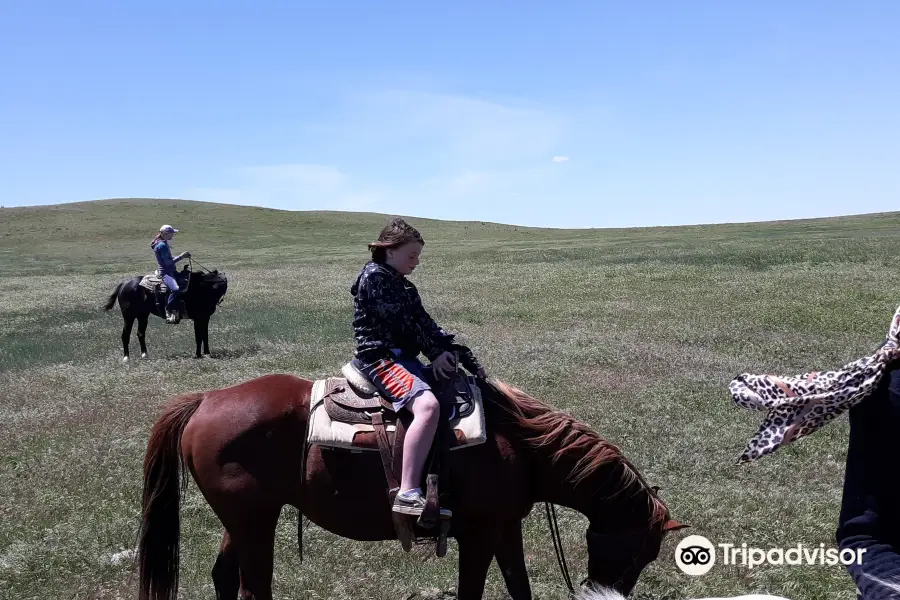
{"points": [[627, 519]]}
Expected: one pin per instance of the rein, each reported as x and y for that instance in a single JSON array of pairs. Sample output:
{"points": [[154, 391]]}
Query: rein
{"points": [[557, 544], [553, 522], [187, 284], [208, 270]]}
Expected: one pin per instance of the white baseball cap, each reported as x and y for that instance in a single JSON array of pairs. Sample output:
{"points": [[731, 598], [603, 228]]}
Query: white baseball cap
{"points": [[167, 229]]}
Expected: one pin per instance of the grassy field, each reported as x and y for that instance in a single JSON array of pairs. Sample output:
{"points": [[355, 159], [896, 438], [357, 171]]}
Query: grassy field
{"points": [[637, 332]]}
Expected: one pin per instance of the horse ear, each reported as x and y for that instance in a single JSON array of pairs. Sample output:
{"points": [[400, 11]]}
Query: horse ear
{"points": [[673, 525]]}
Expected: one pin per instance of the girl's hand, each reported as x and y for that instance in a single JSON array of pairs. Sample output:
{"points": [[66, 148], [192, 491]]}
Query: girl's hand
{"points": [[444, 365]]}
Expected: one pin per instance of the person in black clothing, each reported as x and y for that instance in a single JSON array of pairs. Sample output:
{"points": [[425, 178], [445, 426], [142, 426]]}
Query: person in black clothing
{"points": [[392, 328], [870, 509]]}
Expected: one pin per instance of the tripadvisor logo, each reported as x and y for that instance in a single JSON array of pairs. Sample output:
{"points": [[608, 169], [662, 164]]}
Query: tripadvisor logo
{"points": [[696, 555]]}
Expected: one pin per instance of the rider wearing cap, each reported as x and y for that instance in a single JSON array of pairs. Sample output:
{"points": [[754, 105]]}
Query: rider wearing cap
{"points": [[167, 270]]}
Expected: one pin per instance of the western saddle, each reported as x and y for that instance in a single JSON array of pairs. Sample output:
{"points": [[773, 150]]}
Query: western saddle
{"points": [[154, 283], [353, 399]]}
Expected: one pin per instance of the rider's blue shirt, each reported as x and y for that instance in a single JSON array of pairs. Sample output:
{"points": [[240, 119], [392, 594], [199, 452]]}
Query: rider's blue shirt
{"points": [[164, 259]]}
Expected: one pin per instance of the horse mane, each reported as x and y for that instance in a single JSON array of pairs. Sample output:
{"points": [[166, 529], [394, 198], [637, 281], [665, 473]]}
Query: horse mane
{"points": [[544, 426], [541, 425], [204, 275]]}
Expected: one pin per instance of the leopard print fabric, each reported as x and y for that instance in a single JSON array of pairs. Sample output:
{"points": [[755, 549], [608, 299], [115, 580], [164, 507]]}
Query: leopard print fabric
{"points": [[799, 405]]}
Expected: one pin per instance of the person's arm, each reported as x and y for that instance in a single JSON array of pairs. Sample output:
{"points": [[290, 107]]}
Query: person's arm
{"points": [[467, 358], [870, 506], [439, 341]]}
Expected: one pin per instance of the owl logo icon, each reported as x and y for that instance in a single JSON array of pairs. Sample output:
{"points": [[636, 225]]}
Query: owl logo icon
{"points": [[695, 555]]}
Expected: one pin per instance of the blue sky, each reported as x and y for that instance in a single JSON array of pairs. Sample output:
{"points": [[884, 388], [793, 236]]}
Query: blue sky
{"points": [[574, 114]]}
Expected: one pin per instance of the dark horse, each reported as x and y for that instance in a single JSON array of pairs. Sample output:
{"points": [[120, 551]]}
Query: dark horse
{"points": [[244, 446], [204, 293]]}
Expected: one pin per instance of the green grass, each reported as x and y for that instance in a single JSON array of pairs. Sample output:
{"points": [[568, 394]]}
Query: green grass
{"points": [[637, 332]]}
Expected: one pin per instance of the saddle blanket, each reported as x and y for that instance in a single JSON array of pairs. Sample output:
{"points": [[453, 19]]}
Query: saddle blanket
{"points": [[325, 431], [152, 280]]}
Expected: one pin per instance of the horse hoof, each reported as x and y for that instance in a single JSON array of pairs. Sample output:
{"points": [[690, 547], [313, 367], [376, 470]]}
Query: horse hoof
{"points": [[441, 549], [124, 359], [404, 530], [143, 355]]}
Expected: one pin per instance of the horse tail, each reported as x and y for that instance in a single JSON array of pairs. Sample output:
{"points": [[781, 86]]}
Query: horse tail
{"points": [[112, 299], [158, 551]]}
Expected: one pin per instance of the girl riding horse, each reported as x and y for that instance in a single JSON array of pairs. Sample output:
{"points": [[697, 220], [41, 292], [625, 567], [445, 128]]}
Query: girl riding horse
{"points": [[392, 328], [167, 270]]}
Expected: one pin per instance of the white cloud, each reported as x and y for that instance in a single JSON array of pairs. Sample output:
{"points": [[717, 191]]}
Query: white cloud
{"points": [[291, 186], [468, 180], [408, 152], [324, 176], [559, 159], [447, 130]]}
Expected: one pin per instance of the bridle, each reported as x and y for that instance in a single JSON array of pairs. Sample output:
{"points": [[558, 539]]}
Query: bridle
{"points": [[593, 538], [217, 277]]}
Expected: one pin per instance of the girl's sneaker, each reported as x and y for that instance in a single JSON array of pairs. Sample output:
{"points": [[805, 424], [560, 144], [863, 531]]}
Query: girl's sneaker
{"points": [[413, 503]]}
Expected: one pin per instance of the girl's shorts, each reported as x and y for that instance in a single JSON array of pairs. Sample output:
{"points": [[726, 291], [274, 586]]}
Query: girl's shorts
{"points": [[399, 380]]}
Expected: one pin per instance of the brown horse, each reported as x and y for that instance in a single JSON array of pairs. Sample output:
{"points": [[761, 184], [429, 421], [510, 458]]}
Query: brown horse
{"points": [[244, 447]]}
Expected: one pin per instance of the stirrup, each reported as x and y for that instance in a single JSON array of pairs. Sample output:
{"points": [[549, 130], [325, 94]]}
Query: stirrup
{"points": [[416, 508]]}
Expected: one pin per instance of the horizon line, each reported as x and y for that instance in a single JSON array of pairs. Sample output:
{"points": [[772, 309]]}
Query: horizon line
{"points": [[424, 218]]}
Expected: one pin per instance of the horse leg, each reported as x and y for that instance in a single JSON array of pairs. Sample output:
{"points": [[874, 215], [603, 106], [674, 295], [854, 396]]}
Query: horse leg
{"points": [[201, 334], [126, 334], [254, 541], [476, 551], [206, 336], [511, 560], [226, 572], [198, 334], [142, 332]]}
